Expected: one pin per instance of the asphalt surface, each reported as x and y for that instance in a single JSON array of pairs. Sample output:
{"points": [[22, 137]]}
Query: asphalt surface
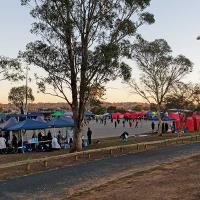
{"points": [[56, 180]]}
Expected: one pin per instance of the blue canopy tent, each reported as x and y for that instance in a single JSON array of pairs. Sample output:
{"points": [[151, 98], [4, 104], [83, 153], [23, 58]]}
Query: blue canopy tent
{"points": [[29, 124], [61, 122], [40, 119], [21, 117], [9, 123], [89, 114], [166, 118]]}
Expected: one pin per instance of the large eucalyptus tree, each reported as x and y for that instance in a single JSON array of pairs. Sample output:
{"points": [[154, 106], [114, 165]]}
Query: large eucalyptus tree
{"points": [[82, 43], [160, 70]]}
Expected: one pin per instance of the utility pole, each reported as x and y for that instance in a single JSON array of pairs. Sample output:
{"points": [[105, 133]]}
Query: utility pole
{"points": [[26, 102]]}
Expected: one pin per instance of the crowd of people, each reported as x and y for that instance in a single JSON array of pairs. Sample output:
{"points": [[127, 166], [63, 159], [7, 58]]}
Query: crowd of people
{"points": [[135, 122], [41, 141], [165, 127]]}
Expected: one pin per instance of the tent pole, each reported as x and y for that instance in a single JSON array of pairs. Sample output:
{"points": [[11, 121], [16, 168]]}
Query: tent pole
{"points": [[22, 143]]}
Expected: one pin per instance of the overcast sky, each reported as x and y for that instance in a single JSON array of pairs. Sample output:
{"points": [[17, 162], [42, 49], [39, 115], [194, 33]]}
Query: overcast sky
{"points": [[177, 21]]}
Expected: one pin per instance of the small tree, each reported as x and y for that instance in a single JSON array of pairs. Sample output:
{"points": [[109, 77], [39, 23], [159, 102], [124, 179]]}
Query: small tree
{"points": [[160, 70], [18, 96]]}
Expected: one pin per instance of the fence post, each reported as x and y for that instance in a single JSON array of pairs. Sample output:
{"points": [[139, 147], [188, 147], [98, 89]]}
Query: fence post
{"points": [[111, 152], [45, 163], [76, 157], [28, 167], [138, 147], [89, 156]]}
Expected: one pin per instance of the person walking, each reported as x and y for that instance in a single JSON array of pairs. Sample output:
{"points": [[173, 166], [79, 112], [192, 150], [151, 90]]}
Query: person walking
{"points": [[123, 122], [152, 127], [166, 127], [59, 137], [115, 124], [136, 124], [89, 135]]}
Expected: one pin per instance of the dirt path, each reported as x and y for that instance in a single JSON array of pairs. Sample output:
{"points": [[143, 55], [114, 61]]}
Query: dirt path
{"points": [[178, 180]]}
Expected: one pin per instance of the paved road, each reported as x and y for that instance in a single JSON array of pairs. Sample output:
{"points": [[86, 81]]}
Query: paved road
{"points": [[56, 180]]}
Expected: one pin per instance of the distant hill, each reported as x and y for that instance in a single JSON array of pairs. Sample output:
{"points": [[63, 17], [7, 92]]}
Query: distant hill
{"points": [[65, 106]]}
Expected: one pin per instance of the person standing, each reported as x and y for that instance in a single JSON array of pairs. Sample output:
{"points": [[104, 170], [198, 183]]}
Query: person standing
{"points": [[152, 127], [115, 124], [130, 123], [2, 144], [166, 127], [136, 124], [59, 137], [89, 135], [14, 142], [123, 122]]}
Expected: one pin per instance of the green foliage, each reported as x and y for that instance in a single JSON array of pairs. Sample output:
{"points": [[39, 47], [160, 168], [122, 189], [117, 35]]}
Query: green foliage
{"points": [[17, 96], [121, 110], [160, 70], [98, 110], [111, 109], [183, 96], [137, 108], [10, 69], [73, 26], [153, 107]]}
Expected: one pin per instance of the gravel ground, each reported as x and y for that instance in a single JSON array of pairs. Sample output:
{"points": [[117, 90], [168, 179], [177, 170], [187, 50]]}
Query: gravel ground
{"points": [[60, 181]]}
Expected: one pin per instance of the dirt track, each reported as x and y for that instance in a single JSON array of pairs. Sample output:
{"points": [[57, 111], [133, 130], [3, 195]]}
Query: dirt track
{"points": [[179, 180]]}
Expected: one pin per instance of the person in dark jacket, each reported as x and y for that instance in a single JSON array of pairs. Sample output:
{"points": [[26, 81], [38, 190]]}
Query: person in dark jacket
{"points": [[39, 136], [89, 135], [152, 127], [14, 142], [166, 127], [163, 127]]}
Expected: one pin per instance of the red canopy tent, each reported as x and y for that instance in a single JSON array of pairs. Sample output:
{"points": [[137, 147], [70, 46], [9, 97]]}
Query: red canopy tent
{"points": [[133, 115], [127, 115], [117, 114], [174, 115], [196, 119], [189, 124]]}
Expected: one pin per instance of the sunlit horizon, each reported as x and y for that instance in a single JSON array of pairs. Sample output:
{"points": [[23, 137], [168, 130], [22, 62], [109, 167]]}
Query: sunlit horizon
{"points": [[179, 28]]}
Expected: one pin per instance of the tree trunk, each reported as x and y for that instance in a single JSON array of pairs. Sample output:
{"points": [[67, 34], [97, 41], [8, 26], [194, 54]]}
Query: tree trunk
{"points": [[77, 145], [159, 120], [22, 110], [78, 122]]}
